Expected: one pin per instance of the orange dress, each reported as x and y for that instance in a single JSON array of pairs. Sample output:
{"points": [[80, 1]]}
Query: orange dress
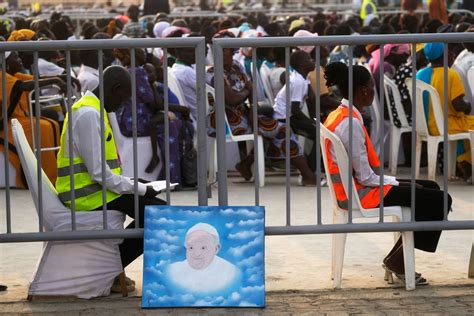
{"points": [[49, 131]]}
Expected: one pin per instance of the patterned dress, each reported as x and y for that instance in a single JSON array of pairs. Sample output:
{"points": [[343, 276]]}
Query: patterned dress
{"points": [[144, 115], [273, 131]]}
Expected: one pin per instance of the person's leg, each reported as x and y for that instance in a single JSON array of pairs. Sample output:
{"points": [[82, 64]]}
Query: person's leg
{"points": [[306, 128], [153, 127], [132, 248], [428, 207], [309, 178]]}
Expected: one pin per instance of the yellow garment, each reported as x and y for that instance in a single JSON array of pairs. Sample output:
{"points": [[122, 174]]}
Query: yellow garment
{"points": [[88, 193], [323, 89], [21, 35], [49, 132], [295, 24], [363, 9], [458, 122]]}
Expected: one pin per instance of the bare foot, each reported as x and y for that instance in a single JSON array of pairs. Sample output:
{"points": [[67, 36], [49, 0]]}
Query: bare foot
{"points": [[244, 170], [155, 160]]}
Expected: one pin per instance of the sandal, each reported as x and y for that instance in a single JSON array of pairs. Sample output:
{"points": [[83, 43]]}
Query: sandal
{"points": [[419, 279]]}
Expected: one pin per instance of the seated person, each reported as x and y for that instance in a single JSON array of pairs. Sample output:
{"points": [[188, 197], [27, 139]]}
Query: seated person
{"points": [[459, 120], [365, 162], [237, 90]]}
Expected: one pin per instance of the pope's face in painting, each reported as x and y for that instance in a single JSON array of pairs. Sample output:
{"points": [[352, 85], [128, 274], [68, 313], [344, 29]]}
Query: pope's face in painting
{"points": [[201, 248]]}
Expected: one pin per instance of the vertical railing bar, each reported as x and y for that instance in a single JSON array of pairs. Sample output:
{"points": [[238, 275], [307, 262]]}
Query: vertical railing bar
{"points": [[381, 129], [135, 135], [317, 144], [38, 140], [413, 132], [351, 100], [201, 123], [287, 135], [220, 123], [70, 140], [6, 145], [446, 161], [102, 135], [167, 126], [255, 125]]}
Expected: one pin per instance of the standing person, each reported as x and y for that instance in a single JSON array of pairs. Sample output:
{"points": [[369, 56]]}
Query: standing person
{"points": [[88, 160], [438, 10], [429, 197], [368, 9], [133, 27]]}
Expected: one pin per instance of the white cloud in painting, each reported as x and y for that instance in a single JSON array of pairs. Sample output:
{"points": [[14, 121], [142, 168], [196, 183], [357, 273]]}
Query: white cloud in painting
{"points": [[229, 225], [164, 220], [240, 212], [194, 213], [156, 272], [239, 251], [250, 222], [155, 286], [244, 234], [163, 236], [247, 304], [252, 289], [252, 261]]}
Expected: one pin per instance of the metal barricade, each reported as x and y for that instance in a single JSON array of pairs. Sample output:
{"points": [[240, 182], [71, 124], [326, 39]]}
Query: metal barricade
{"points": [[132, 44], [220, 44]]}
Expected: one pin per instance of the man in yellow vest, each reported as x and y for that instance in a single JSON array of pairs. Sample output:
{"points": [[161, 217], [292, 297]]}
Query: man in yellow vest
{"points": [[368, 10], [86, 139]]}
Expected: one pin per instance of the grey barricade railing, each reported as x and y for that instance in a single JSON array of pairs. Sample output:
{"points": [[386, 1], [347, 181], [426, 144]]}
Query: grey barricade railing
{"points": [[220, 44], [197, 43]]}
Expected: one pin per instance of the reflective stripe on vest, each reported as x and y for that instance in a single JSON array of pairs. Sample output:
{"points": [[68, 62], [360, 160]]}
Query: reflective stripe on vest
{"points": [[369, 196], [87, 193], [363, 9]]}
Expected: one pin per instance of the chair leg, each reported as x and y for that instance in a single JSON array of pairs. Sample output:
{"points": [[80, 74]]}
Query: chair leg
{"points": [[394, 147], [419, 143], [451, 163], [338, 249], [409, 259], [432, 158], [261, 162], [123, 284]]}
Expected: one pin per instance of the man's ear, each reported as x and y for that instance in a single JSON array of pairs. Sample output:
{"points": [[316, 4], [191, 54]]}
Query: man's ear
{"points": [[218, 247]]}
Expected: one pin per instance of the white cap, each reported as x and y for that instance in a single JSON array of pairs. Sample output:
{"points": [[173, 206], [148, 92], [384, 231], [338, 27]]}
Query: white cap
{"points": [[207, 228], [119, 36]]}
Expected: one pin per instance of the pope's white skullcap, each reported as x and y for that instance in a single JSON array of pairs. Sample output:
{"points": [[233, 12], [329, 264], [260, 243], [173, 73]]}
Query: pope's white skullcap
{"points": [[204, 227]]}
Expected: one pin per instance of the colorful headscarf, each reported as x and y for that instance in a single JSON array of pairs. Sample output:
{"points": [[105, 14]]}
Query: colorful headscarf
{"points": [[21, 35], [159, 28], [304, 33], [388, 49], [433, 51]]}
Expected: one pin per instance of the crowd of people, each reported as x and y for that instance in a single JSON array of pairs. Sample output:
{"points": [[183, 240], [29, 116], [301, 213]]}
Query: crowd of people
{"points": [[272, 119]]}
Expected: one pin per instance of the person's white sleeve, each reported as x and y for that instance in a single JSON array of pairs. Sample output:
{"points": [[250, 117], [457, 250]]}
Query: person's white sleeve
{"points": [[363, 172], [297, 91], [87, 143]]}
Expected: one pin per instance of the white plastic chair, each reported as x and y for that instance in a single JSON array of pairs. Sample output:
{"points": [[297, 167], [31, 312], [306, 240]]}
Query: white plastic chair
{"points": [[391, 89], [233, 138], [11, 172], [267, 86], [470, 80], [84, 269], [376, 127], [340, 216], [125, 151], [423, 134]]}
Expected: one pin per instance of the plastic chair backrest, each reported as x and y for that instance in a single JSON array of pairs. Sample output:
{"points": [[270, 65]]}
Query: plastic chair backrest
{"points": [[421, 122], [470, 80], [173, 85], [340, 156], [267, 86], [391, 91], [51, 203], [210, 92]]}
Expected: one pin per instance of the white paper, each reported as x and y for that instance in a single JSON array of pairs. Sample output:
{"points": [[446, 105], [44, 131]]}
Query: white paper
{"points": [[160, 185]]}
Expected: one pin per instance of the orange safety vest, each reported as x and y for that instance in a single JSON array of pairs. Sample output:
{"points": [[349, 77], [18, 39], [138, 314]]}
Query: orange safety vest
{"points": [[369, 196]]}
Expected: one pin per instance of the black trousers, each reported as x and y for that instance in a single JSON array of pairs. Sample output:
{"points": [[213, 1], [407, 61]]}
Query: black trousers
{"points": [[306, 127], [428, 207], [131, 248]]}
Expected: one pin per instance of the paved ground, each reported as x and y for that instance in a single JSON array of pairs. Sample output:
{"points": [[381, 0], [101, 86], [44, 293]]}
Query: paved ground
{"points": [[297, 267]]}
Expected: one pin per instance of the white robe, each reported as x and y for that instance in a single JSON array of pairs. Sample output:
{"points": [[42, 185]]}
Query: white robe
{"points": [[217, 276]]}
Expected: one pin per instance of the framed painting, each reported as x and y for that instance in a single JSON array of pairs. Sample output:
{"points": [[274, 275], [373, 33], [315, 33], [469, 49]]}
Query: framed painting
{"points": [[206, 256]]}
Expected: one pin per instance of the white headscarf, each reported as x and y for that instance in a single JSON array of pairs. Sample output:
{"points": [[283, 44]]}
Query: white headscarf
{"points": [[159, 28]]}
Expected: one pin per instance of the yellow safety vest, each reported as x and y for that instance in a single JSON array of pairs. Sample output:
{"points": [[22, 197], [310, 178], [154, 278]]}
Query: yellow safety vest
{"points": [[88, 193], [363, 9]]}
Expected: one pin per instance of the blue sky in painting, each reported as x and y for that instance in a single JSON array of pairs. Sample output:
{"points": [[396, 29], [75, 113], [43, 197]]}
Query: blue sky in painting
{"points": [[241, 232]]}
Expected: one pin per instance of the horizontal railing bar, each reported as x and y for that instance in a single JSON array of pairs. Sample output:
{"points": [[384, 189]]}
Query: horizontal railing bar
{"points": [[348, 40], [368, 227], [100, 44], [269, 231]]}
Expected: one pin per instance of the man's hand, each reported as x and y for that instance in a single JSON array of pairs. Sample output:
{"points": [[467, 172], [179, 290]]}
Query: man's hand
{"points": [[150, 192]]}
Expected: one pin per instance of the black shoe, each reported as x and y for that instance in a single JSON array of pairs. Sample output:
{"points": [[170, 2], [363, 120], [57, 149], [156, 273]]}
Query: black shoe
{"points": [[3, 287]]}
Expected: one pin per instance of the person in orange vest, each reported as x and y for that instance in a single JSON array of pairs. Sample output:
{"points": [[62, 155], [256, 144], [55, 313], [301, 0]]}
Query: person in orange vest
{"points": [[365, 163]]}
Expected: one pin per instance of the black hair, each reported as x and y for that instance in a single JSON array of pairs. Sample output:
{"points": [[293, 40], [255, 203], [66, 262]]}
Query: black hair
{"points": [[343, 29], [409, 23], [319, 26], [432, 26], [337, 74], [273, 29]]}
